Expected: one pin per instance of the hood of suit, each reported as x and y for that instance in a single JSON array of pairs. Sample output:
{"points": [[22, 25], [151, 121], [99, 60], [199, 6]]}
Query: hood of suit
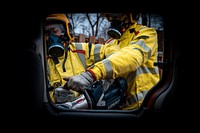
{"points": [[62, 17]]}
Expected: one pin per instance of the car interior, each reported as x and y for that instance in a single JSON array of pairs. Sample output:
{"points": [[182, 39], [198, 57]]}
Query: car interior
{"points": [[162, 103]]}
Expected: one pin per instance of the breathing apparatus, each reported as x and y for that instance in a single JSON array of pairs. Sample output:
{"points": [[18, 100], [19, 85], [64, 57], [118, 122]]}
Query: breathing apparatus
{"points": [[57, 45], [119, 23]]}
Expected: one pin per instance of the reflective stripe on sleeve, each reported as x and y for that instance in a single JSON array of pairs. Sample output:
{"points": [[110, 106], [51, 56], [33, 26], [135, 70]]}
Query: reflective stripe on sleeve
{"points": [[97, 48], [142, 70], [108, 67], [81, 56], [143, 45]]}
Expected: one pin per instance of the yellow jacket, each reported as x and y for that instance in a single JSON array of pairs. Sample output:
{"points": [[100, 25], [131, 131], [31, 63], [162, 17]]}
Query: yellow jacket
{"points": [[79, 57], [134, 61]]}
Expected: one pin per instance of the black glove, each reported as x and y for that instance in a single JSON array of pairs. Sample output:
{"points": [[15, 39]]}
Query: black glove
{"points": [[80, 82]]}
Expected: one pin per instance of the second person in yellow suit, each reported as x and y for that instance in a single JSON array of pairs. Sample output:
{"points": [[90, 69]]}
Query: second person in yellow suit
{"points": [[134, 61]]}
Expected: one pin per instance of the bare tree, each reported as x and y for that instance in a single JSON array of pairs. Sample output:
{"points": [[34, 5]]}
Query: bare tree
{"points": [[94, 22], [152, 20], [91, 24], [76, 20]]}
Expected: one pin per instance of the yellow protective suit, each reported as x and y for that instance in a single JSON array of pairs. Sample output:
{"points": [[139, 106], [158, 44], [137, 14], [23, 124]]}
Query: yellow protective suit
{"points": [[79, 57], [135, 62]]}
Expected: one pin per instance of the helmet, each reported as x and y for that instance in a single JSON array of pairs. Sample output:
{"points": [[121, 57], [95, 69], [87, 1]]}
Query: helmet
{"points": [[56, 43], [62, 19], [119, 23]]}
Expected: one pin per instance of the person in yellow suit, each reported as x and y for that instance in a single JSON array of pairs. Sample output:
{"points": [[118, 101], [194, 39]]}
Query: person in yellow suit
{"points": [[134, 61], [67, 58]]}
